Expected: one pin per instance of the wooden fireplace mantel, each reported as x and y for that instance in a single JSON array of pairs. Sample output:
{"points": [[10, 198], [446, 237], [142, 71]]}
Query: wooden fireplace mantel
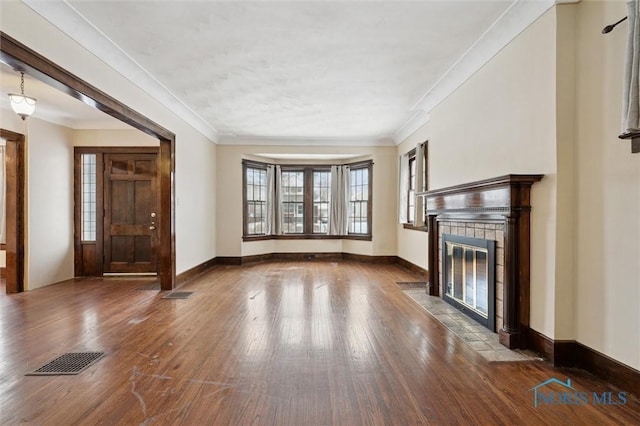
{"points": [[504, 199]]}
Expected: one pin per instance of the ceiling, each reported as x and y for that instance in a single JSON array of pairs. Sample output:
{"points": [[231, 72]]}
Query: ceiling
{"points": [[320, 71], [53, 105]]}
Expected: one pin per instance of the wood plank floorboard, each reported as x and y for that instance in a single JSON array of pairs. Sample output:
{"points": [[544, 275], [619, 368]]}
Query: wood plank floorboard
{"points": [[278, 343]]}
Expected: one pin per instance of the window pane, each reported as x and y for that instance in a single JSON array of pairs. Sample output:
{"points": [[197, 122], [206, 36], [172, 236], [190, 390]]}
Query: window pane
{"points": [[256, 202], [88, 196], [359, 204], [292, 202], [321, 197]]}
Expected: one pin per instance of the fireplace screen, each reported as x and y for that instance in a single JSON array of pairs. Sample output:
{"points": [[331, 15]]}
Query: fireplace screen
{"points": [[469, 278]]}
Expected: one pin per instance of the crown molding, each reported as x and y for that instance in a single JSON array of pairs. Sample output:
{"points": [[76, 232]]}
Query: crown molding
{"points": [[520, 15], [233, 139], [71, 22]]}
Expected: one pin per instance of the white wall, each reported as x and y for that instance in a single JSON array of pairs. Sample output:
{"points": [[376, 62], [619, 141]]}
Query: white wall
{"points": [[413, 245], [230, 207], [500, 121], [608, 196], [195, 175], [113, 137], [550, 102], [49, 193]]}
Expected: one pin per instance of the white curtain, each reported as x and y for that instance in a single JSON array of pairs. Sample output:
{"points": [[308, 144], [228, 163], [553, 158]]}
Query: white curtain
{"points": [[339, 213], [403, 188], [271, 184], [418, 205], [3, 195], [631, 82]]}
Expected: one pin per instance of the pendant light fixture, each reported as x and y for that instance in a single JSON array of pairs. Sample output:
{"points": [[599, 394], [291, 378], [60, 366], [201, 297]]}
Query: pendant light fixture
{"points": [[22, 105]]}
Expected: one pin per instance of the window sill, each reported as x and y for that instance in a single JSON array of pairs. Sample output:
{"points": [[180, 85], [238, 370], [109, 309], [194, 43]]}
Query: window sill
{"points": [[411, 227], [306, 237]]}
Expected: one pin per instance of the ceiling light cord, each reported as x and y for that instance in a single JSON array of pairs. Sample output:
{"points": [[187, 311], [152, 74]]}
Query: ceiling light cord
{"points": [[610, 28]]}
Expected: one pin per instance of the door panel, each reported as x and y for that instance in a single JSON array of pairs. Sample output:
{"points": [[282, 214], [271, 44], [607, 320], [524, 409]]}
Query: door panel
{"points": [[130, 213]]}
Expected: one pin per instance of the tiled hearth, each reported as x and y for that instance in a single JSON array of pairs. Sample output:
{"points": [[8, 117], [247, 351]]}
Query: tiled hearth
{"points": [[478, 337]]}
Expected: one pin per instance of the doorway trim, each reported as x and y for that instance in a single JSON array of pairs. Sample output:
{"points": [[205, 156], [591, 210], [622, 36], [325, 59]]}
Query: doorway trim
{"points": [[20, 57], [15, 181]]}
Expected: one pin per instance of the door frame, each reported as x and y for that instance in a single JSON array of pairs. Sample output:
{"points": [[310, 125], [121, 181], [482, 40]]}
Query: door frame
{"points": [[15, 210], [22, 58], [88, 256]]}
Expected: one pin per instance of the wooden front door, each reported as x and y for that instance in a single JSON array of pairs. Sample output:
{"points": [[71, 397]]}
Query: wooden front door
{"points": [[130, 213]]}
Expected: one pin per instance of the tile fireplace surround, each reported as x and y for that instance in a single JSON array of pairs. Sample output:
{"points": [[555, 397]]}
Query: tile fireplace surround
{"points": [[496, 209]]}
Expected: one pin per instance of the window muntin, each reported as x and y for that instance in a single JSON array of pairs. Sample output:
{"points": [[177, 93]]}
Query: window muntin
{"points": [[321, 201], [303, 207], [359, 201], [256, 201], [292, 191], [412, 190], [88, 222]]}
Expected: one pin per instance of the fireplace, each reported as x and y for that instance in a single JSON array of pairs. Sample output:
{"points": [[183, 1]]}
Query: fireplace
{"points": [[469, 277], [496, 211]]}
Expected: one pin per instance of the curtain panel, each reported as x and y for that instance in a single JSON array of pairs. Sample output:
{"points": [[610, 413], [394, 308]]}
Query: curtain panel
{"points": [[631, 82], [339, 205]]}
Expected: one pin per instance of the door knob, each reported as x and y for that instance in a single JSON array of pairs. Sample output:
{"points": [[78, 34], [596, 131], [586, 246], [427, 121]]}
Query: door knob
{"points": [[152, 227]]}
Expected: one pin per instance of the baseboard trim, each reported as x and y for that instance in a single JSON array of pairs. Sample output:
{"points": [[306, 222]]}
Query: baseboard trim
{"points": [[569, 353], [267, 257], [189, 274], [413, 268]]}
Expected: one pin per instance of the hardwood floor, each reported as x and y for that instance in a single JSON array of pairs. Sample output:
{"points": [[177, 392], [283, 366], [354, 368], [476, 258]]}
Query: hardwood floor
{"points": [[281, 343]]}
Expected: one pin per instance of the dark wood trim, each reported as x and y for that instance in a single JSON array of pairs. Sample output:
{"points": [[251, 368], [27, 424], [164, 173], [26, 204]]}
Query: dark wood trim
{"points": [[117, 149], [616, 373], [541, 344], [356, 237], [507, 200], [635, 145], [186, 276], [411, 227], [569, 353], [20, 57], [167, 217], [370, 259], [413, 268], [15, 211], [270, 257], [432, 256]]}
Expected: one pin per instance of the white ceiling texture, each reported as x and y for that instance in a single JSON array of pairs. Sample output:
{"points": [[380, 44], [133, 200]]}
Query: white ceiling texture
{"points": [[340, 72]]}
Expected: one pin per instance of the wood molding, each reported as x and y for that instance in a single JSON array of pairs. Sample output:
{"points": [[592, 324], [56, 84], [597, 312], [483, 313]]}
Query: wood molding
{"points": [[186, 276], [20, 57], [15, 211], [413, 268], [569, 353], [505, 199]]}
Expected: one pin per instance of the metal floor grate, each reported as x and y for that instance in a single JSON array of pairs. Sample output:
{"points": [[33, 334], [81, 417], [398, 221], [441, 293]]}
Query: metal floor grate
{"points": [[178, 295], [412, 284], [67, 364]]}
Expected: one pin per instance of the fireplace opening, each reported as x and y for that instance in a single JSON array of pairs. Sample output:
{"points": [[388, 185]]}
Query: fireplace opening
{"points": [[469, 277]]}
